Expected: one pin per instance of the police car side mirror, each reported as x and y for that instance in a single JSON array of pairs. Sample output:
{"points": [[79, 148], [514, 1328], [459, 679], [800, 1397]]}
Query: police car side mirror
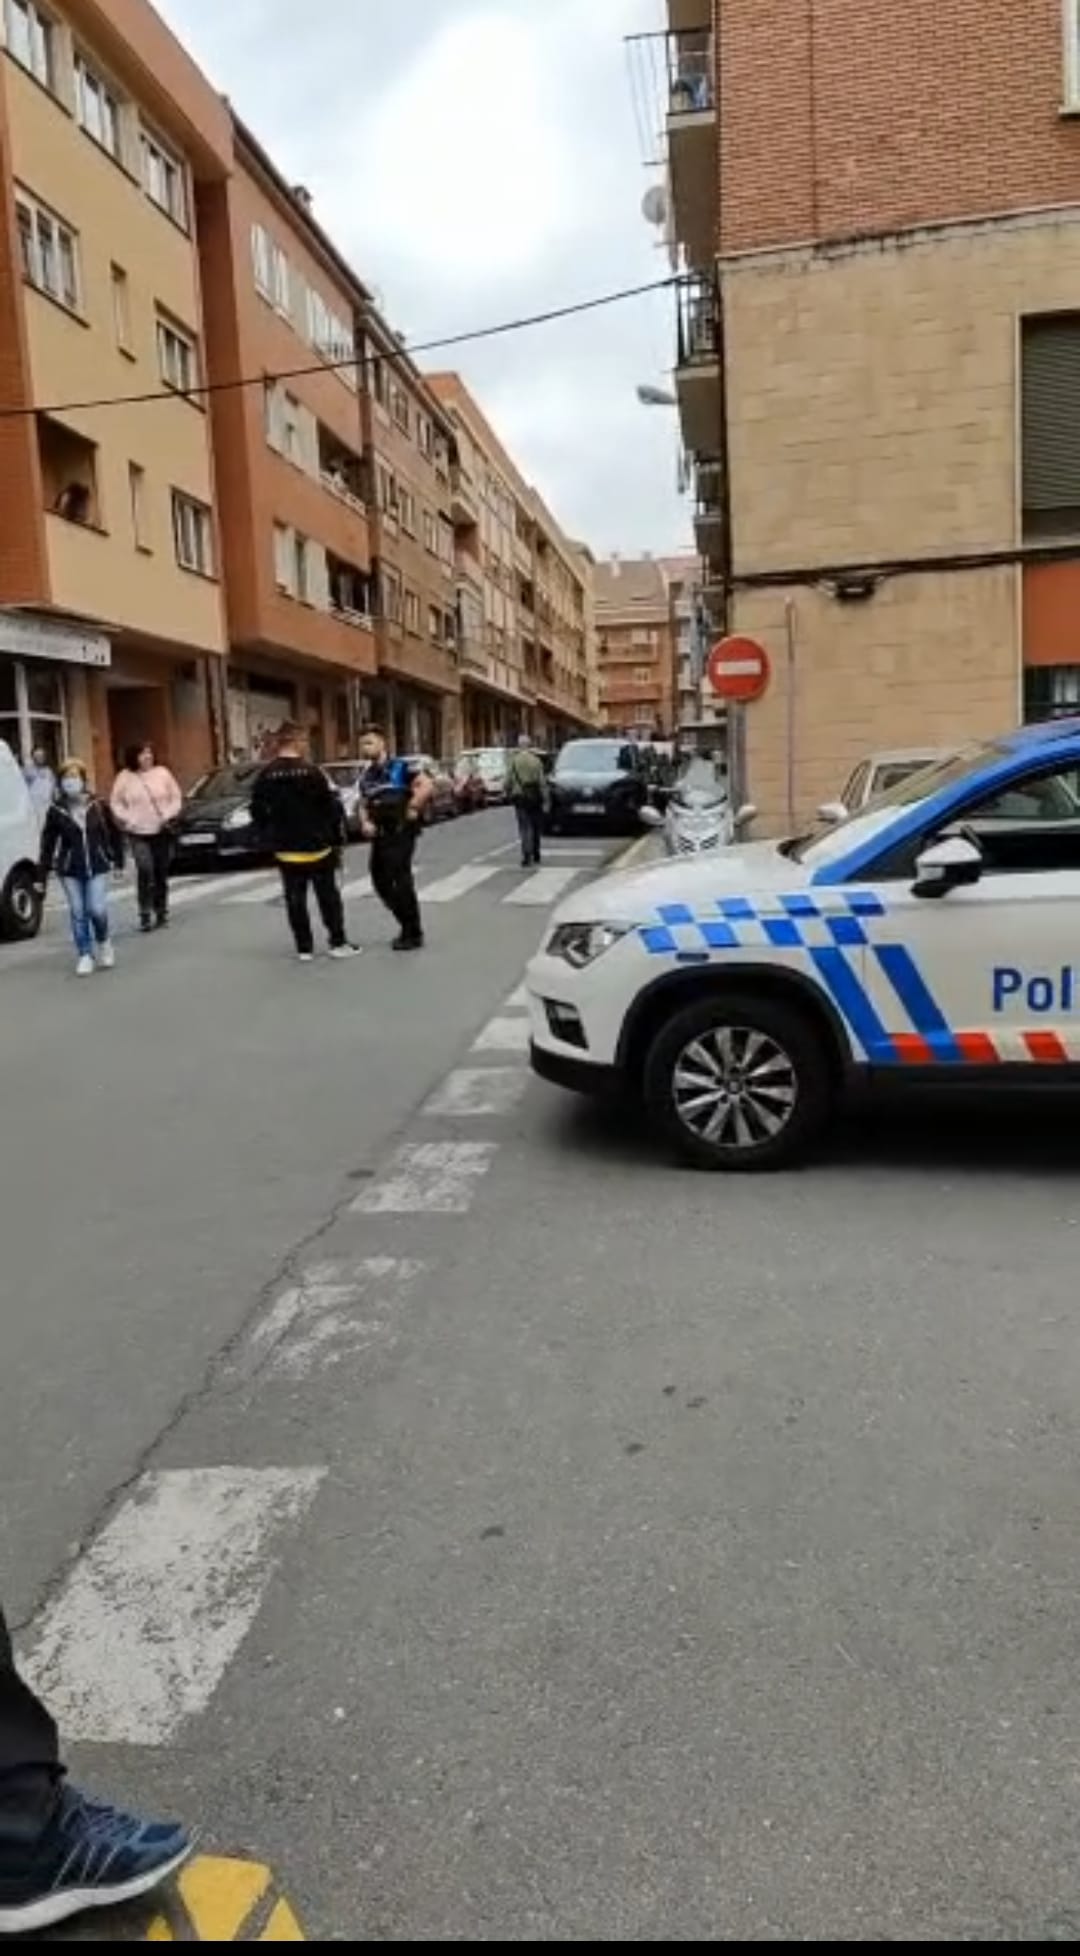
{"points": [[945, 864], [832, 811], [652, 817]]}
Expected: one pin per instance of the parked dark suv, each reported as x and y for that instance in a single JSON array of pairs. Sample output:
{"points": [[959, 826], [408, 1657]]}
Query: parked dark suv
{"points": [[597, 784]]}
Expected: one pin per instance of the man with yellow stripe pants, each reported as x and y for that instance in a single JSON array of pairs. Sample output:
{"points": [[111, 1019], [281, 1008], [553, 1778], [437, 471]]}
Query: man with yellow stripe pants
{"points": [[301, 818]]}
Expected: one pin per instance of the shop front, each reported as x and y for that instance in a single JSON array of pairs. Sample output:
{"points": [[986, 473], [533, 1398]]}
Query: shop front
{"points": [[45, 668]]}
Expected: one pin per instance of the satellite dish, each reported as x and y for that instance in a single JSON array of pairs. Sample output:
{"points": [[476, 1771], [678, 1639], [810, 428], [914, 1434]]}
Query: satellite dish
{"points": [[654, 205]]}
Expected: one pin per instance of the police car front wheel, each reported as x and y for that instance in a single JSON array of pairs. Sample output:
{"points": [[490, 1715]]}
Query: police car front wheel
{"points": [[739, 1083]]}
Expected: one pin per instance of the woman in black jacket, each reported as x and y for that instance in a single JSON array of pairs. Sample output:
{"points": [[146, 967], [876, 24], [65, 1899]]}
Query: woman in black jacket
{"points": [[82, 843]]}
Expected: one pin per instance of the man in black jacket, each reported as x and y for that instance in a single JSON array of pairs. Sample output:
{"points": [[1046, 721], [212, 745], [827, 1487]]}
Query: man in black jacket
{"points": [[296, 810]]}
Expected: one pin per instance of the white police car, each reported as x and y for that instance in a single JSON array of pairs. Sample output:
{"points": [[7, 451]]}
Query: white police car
{"points": [[742, 994]]}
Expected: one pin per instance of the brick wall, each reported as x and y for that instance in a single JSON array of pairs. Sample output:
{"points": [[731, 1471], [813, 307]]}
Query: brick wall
{"points": [[839, 117], [23, 569]]}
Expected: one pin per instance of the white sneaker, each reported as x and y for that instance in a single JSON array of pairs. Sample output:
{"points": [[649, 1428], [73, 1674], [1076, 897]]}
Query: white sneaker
{"points": [[85, 968], [306, 957], [342, 951], [106, 956]]}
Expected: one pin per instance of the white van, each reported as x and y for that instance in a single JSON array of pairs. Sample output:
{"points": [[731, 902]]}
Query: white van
{"points": [[20, 903]]}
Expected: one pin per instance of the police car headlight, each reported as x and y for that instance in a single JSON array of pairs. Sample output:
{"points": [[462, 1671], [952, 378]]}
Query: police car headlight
{"points": [[582, 944]]}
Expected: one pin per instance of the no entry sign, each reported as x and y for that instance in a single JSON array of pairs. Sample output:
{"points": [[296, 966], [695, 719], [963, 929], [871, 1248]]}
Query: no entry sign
{"points": [[738, 669]]}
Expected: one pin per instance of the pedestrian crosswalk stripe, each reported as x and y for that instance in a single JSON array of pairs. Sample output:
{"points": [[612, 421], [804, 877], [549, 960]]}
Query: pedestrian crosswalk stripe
{"points": [[518, 1000], [503, 1036], [198, 888], [264, 892], [473, 1090], [156, 1608], [459, 883], [215, 1899], [544, 887], [361, 887], [429, 1177], [337, 1309]]}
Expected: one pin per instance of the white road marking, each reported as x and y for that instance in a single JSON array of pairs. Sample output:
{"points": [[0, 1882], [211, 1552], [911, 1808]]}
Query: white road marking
{"points": [[336, 1310], [503, 1036], [504, 849], [152, 1614], [449, 888], [190, 890], [472, 1090], [518, 1001], [543, 887], [360, 887], [588, 851], [435, 1177]]}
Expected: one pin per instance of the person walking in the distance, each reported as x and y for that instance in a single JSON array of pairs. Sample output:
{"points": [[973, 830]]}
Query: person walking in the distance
{"points": [[61, 1853], [146, 801], [394, 796], [40, 783], [526, 788], [82, 843], [296, 811]]}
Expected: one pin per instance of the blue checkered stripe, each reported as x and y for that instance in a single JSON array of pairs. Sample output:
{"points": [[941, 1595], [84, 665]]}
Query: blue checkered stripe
{"points": [[785, 923]]}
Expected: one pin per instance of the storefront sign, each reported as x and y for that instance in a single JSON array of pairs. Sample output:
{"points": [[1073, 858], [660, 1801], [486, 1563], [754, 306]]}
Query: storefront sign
{"points": [[26, 636]]}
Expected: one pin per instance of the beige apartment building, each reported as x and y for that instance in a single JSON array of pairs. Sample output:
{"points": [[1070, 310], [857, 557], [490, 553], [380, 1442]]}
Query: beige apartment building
{"points": [[111, 619], [879, 345], [526, 632]]}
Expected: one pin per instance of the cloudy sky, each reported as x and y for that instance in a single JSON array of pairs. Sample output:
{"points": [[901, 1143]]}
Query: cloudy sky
{"points": [[478, 160]]}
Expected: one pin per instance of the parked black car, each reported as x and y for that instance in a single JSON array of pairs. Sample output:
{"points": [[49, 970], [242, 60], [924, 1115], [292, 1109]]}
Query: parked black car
{"points": [[597, 784], [215, 825]]}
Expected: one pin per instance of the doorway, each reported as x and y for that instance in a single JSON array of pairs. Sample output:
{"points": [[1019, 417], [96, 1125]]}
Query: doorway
{"points": [[138, 714]]}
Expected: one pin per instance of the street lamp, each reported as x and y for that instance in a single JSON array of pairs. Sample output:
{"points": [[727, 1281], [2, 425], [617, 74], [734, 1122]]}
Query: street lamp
{"points": [[662, 397]]}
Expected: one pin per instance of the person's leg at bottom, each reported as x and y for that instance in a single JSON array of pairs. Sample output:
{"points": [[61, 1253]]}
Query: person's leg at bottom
{"points": [[76, 892], [383, 880], [60, 1853], [97, 910], [406, 901], [324, 882], [142, 851], [294, 881], [524, 828], [536, 831], [161, 856]]}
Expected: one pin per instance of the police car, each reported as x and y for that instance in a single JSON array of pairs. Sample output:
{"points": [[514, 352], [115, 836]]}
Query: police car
{"points": [[741, 995]]}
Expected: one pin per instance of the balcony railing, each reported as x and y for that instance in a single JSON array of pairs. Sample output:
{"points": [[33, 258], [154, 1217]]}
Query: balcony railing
{"points": [[698, 332], [691, 88]]}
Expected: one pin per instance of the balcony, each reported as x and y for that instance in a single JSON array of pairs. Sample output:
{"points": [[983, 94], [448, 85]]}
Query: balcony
{"points": [[464, 501], [341, 471], [692, 143], [351, 592], [709, 511], [697, 374]]}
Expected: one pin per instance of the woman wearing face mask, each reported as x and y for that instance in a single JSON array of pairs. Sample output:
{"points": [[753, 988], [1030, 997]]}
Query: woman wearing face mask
{"points": [[82, 843], [146, 800]]}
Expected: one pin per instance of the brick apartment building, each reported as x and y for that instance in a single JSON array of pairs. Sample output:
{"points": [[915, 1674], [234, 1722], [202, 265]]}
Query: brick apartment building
{"points": [[879, 364], [195, 568], [524, 593], [637, 646], [112, 625]]}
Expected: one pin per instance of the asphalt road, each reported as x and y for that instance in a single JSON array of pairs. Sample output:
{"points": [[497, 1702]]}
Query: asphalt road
{"points": [[501, 1533]]}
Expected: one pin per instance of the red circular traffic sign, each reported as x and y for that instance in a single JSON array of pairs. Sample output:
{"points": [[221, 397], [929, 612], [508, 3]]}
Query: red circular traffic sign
{"points": [[738, 669]]}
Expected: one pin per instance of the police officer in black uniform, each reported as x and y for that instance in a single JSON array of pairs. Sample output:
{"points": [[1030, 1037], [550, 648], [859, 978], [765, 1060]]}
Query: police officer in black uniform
{"points": [[394, 795]]}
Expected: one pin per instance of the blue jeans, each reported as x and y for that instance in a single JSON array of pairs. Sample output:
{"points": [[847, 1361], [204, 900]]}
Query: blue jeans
{"points": [[88, 904]]}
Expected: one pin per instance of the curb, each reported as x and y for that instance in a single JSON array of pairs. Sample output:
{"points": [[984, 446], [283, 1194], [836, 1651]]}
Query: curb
{"points": [[632, 851]]}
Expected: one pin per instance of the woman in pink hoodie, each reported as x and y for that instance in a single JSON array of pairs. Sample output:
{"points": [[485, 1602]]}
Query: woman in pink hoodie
{"points": [[146, 801]]}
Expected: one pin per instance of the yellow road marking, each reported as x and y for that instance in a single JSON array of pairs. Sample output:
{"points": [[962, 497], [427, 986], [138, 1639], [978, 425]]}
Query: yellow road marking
{"points": [[216, 1899]]}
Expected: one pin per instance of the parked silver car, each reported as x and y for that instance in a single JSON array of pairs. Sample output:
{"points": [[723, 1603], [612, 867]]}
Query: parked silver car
{"points": [[877, 774]]}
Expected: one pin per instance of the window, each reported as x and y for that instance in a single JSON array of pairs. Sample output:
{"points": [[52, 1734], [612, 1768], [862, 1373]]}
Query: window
{"points": [[177, 357], [431, 535], [1072, 54], [388, 491], [301, 568], [1050, 418], [31, 38], [446, 541], [49, 250], [97, 107], [262, 258], [399, 408], [407, 508], [379, 384], [137, 489], [425, 436], [121, 305], [282, 293], [412, 612], [164, 179], [193, 534], [1050, 691], [283, 557], [390, 591], [332, 336], [435, 623]]}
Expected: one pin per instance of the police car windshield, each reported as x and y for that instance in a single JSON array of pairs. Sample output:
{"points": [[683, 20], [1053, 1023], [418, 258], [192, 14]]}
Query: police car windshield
{"points": [[832, 839]]}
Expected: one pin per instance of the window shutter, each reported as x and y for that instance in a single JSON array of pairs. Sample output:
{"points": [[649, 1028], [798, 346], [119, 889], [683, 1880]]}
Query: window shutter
{"points": [[318, 577], [309, 441], [1051, 418]]}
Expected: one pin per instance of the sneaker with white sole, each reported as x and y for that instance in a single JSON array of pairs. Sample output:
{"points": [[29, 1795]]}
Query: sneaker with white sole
{"points": [[85, 967], [106, 956], [306, 957], [343, 951], [89, 1856]]}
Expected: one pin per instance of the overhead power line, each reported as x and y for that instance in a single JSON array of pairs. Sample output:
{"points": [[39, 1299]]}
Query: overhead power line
{"points": [[478, 333]]}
